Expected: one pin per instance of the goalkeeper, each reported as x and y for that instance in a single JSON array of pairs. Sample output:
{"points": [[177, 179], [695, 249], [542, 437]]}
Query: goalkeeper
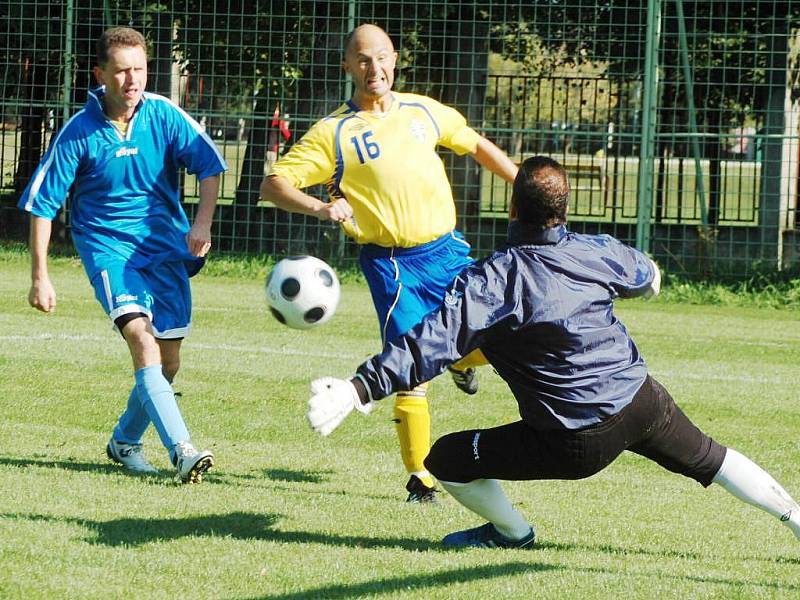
{"points": [[542, 312], [389, 190]]}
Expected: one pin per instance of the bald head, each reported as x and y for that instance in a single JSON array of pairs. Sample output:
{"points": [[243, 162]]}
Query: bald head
{"points": [[369, 58], [366, 32]]}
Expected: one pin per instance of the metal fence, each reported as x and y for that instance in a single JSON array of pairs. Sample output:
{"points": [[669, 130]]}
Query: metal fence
{"points": [[677, 120]]}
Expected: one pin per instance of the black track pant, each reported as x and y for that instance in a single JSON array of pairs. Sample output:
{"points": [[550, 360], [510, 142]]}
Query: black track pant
{"points": [[651, 425]]}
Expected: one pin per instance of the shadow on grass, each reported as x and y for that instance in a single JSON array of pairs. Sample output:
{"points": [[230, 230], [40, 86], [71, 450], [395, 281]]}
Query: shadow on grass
{"points": [[297, 476], [619, 550], [132, 532], [67, 465], [421, 583], [240, 525], [428, 581], [237, 525], [416, 583], [283, 475]]}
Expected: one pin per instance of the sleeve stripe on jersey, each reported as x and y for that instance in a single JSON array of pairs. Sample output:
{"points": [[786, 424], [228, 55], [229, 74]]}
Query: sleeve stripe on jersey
{"points": [[337, 176], [195, 125], [430, 116], [39, 178]]}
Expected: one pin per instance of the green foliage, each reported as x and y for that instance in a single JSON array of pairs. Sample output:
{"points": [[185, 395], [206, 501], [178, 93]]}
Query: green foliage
{"points": [[764, 290]]}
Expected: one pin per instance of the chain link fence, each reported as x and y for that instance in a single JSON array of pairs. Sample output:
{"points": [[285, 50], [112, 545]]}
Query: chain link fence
{"points": [[677, 120]]}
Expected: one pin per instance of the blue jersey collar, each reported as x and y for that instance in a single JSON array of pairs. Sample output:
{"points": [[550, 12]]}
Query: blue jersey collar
{"points": [[95, 102], [356, 108], [526, 234]]}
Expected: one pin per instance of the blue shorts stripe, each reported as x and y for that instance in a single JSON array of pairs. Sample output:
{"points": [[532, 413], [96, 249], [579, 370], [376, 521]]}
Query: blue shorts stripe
{"points": [[408, 283], [160, 291]]}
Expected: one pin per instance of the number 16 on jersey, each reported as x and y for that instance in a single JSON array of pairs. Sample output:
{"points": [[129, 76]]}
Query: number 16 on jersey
{"points": [[372, 149]]}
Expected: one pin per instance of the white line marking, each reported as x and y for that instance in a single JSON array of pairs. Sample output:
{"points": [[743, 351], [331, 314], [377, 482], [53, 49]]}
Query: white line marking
{"points": [[189, 346]]}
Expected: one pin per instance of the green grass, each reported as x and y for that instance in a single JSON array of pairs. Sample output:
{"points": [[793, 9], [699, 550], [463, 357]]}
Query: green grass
{"points": [[287, 514]]}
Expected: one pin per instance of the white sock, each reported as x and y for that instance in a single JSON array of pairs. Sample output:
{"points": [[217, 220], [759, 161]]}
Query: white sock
{"points": [[486, 498], [747, 481]]}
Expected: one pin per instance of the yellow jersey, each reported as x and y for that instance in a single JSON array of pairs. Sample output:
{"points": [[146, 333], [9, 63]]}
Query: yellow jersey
{"points": [[385, 166]]}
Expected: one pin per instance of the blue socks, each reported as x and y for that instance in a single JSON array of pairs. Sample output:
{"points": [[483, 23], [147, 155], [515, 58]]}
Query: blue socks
{"points": [[158, 400], [133, 422]]}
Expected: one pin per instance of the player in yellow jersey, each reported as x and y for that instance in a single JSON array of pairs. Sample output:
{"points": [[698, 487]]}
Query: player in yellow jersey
{"points": [[388, 188]]}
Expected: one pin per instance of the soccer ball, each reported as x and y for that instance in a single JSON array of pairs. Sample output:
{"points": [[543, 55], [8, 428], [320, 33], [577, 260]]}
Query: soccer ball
{"points": [[302, 292]]}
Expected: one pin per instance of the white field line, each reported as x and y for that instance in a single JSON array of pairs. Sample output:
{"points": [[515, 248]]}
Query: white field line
{"points": [[770, 379], [78, 337], [189, 346]]}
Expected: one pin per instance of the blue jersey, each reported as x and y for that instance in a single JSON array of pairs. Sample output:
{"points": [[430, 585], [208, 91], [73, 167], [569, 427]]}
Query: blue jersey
{"points": [[125, 189], [542, 312]]}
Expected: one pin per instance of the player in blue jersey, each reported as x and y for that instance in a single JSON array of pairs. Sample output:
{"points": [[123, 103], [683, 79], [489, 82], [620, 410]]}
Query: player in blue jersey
{"points": [[388, 188], [541, 310], [121, 155]]}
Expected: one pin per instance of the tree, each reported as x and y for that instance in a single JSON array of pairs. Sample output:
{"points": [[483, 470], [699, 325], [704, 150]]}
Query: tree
{"points": [[728, 51]]}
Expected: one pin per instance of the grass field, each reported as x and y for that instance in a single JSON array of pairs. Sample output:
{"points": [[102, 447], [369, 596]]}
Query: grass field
{"points": [[287, 514]]}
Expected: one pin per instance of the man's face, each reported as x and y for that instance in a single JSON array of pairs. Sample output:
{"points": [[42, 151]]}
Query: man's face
{"points": [[370, 61], [125, 77]]}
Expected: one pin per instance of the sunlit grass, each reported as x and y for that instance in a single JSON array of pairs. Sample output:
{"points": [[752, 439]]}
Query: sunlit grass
{"points": [[287, 514]]}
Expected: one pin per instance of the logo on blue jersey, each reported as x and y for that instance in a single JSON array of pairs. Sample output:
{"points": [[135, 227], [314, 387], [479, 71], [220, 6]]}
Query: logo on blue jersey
{"points": [[125, 298], [127, 152], [418, 130], [451, 297]]}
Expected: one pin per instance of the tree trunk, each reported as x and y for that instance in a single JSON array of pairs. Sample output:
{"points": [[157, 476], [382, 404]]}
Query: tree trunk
{"points": [[32, 116]]}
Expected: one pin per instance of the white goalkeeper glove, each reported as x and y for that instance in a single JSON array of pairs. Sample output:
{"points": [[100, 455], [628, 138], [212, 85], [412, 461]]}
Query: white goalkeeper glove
{"points": [[331, 401], [655, 285]]}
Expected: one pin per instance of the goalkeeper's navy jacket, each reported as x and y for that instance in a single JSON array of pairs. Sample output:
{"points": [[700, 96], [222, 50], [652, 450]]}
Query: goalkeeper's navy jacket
{"points": [[541, 310]]}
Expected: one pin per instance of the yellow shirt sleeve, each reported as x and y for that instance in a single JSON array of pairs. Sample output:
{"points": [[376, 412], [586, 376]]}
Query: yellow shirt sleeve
{"points": [[386, 166], [455, 134], [311, 160]]}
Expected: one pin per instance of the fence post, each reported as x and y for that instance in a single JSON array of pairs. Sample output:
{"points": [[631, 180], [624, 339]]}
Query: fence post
{"points": [[69, 52], [772, 168], [647, 138]]}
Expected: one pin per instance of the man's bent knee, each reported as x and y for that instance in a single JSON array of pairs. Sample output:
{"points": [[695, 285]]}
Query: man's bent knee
{"points": [[447, 459]]}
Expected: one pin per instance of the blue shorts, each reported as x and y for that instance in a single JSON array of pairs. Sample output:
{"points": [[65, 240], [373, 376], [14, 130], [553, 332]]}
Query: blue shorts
{"points": [[160, 291], [408, 283]]}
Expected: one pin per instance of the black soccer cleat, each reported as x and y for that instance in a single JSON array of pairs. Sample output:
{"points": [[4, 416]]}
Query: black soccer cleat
{"points": [[419, 493], [486, 536], [465, 380]]}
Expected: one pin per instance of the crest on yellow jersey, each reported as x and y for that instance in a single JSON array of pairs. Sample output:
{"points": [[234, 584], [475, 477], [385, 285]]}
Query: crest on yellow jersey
{"points": [[418, 130]]}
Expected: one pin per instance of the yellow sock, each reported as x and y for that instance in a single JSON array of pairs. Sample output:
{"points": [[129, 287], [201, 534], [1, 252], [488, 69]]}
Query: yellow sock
{"points": [[414, 430], [471, 360]]}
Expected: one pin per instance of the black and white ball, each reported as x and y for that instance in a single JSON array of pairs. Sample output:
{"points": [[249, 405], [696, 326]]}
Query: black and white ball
{"points": [[302, 292]]}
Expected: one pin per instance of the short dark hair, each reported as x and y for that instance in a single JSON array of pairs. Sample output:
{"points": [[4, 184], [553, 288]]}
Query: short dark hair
{"points": [[541, 192], [118, 37]]}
